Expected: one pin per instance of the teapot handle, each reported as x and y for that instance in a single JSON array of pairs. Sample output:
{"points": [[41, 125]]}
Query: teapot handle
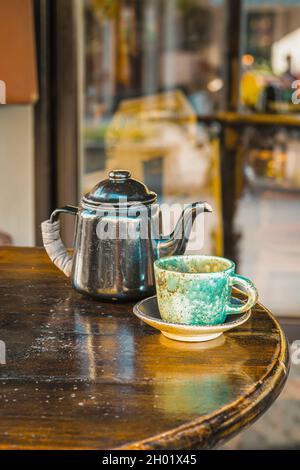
{"points": [[53, 243]]}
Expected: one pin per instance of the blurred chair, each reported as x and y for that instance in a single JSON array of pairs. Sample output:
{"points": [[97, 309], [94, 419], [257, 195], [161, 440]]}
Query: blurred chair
{"points": [[159, 139], [5, 239]]}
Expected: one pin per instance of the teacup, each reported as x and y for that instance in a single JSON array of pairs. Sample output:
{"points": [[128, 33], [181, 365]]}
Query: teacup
{"points": [[196, 290]]}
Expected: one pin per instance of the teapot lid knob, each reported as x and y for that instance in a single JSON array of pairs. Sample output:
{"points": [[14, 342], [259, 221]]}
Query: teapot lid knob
{"points": [[119, 188], [119, 175]]}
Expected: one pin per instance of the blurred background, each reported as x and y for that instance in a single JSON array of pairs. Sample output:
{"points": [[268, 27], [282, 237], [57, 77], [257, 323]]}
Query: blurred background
{"points": [[195, 98]]}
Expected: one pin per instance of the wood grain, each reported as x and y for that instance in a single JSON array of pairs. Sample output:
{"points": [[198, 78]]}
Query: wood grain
{"points": [[82, 374]]}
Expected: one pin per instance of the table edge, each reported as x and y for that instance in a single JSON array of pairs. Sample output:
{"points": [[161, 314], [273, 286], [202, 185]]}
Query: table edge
{"points": [[214, 429]]}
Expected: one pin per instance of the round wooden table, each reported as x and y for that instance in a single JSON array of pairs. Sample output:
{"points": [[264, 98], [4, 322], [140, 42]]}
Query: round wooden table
{"points": [[82, 374]]}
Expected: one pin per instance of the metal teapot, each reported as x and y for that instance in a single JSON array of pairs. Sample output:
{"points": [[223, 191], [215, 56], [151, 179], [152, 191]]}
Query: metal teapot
{"points": [[117, 239]]}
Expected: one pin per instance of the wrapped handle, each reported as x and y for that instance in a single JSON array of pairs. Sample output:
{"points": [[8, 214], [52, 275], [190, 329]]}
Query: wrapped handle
{"points": [[237, 280], [53, 243]]}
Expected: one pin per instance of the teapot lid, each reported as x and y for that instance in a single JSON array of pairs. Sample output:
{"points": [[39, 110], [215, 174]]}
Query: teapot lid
{"points": [[119, 188]]}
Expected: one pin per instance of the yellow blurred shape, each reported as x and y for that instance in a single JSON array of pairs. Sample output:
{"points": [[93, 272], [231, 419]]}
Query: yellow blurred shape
{"points": [[251, 88]]}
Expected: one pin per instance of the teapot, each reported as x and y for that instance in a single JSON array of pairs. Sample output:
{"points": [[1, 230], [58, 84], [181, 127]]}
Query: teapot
{"points": [[117, 238]]}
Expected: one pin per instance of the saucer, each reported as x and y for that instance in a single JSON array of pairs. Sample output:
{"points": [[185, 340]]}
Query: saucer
{"points": [[147, 311]]}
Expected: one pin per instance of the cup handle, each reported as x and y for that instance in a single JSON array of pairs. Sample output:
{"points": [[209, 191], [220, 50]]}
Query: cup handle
{"points": [[251, 290]]}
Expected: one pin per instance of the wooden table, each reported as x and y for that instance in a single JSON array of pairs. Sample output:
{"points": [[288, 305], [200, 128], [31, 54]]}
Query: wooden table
{"points": [[83, 374]]}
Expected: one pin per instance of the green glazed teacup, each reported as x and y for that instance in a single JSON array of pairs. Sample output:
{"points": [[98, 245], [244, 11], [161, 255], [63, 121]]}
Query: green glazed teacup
{"points": [[196, 290]]}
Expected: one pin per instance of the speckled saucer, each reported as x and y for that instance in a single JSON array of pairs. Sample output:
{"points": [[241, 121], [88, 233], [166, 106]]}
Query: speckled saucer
{"points": [[147, 311]]}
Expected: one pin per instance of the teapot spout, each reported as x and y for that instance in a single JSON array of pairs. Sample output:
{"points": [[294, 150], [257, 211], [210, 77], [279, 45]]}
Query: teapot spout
{"points": [[176, 242]]}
